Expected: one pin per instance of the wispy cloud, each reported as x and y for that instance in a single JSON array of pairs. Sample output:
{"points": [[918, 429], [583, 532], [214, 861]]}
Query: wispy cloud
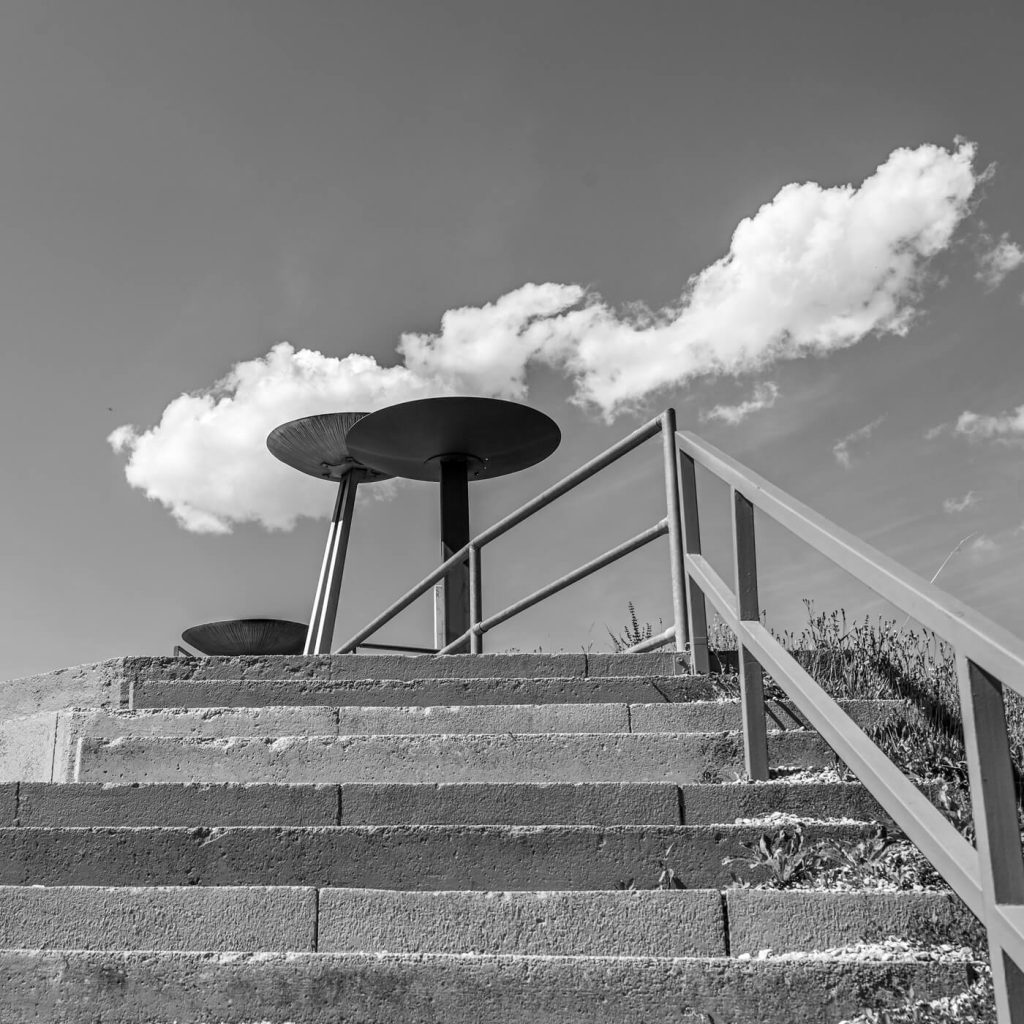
{"points": [[841, 449], [1007, 426], [998, 259], [764, 397], [812, 271], [953, 505]]}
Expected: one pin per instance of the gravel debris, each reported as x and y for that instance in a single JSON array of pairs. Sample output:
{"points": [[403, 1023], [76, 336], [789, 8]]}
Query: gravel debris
{"points": [[876, 952], [777, 818], [796, 773]]}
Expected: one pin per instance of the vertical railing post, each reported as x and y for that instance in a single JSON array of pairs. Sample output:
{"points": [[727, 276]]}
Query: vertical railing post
{"points": [[997, 829], [476, 638], [697, 616], [675, 529], [755, 735]]}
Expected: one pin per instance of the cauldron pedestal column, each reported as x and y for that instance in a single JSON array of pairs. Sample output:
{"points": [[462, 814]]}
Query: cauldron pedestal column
{"points": [[454, 535], [453, 441]]}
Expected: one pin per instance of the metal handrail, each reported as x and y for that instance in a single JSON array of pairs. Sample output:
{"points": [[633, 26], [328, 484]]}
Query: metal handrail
{"points": [[988, 877], [671, 525], [627, 547]]}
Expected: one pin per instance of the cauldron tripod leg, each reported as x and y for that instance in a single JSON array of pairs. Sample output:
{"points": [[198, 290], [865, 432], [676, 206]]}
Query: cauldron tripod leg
{"points": [[328, 591]]}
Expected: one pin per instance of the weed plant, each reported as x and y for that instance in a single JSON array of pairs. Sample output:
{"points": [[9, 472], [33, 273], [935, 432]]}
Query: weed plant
{"points": [[633, 633], [786, 859]]}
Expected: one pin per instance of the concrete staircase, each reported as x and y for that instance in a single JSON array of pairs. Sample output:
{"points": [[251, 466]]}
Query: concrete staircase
{"points": [[384, 838]]}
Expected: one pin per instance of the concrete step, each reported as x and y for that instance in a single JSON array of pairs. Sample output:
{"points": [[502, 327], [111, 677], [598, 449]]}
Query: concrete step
{"points": [[277, 918], [672, 923], [424, 857], [789, 920], [692, 716], [580, 803], [482, 758], [305, 691], [285, 918], [412, 668], [82, 987]]}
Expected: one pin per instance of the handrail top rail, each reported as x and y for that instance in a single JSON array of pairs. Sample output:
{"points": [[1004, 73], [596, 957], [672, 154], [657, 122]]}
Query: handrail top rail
{"points": [[985, 642]]}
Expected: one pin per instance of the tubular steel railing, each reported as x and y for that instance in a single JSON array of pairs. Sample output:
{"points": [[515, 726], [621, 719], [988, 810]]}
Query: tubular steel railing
{"points": [[988, 876], [665, 425]]}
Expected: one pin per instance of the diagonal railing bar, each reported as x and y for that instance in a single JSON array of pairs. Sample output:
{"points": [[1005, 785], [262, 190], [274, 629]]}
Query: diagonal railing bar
{"points": [[581, 573], [988, 878], [403, 602], [663, 425]]}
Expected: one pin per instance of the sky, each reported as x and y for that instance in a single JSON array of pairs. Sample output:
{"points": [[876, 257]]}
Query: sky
{"points": [[799, 224]]}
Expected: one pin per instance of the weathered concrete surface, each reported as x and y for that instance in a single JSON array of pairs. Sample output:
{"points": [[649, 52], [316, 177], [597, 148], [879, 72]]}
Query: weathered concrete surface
{"points": [[630, 923], [724, 716], [572, 757], [484, 718], [476, 857], [651, 663], [196, 805], [312, 720], [276, 918], [155, 692], [398, 666], [795, 920], [104, 723], [608, 803], [8, 803], [321, 988], [98, 684], [268, 721], [41, 804], [708, 804], [27, 747], [348, 721], [581, 803]]}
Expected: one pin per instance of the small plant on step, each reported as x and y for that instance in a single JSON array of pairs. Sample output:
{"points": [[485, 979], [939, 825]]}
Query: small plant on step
{"points": [[877, 861], [633, 633], [668, 879], [789, 860]]}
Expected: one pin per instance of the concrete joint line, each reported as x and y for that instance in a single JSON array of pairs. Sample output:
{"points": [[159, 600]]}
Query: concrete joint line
{"points": [[727, 937]]}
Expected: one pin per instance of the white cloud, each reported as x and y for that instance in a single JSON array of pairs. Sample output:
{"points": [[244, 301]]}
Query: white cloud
{"points": [[953, 505], [207, 460], [841, 449], [999, 259], [1006, 426], [814, 270], [763, 398]]}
